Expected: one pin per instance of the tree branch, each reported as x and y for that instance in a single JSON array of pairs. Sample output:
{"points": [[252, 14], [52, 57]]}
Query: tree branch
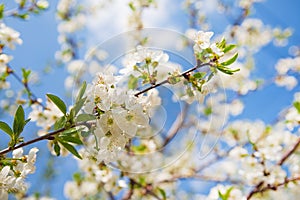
{"points": [[167, 81], [32, 97], [44, 137], [147, 188], [289, 153], [259, 189]]}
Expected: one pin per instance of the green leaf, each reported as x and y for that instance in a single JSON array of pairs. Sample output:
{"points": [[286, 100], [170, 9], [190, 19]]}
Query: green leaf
{"points": [[297, 106], [221, 44], [60, 123], [75, 140], [25, 74], [199, 75], [70, 131], [2, 10], [229, 48], [226, 70], [19, 121], [81, 91], [23, 16], [131, 6], [226, 195], [85, 133], [78, 105], [6, 128], [85, 117], [207, 111], [77, 177], [57, 149], [71, 149], [231, 60], [163, 193], [58, 102]]}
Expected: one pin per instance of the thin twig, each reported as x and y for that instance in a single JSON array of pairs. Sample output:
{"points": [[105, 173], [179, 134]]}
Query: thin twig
{"points": [[289, 153], [259, 189], [129, 194], [32, 97], [147, 189], [50, 134], [167, 81]]}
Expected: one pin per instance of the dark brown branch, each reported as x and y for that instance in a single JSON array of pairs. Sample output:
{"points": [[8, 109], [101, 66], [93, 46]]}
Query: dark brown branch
{"points": [[44, 137], [167, 81], [129, 194], [289, 153], [50, 134], [259, 189], [148, 189], [32, 97]]}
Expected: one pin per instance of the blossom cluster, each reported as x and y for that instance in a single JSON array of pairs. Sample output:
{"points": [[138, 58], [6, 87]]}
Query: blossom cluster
{"points": [[120, 115], [15, 171]]}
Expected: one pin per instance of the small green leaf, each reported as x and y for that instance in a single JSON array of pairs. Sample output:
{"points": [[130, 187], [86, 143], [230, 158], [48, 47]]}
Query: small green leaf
{"points": [[85, 133], [6, 128], [199, 75], [297, 106], [57, 149], [226, 195], [25, 74], [71, 149], [2, 10], [221, 44], [231, 60], [19, 121], [71, 131], [60, 123], [163, 193], [85, 117], [207, 111], [58, 102], [77, 177], [131, 6], [70, 139], [229, 48], [78, 105], [81, 91], [227, 70], [23, 16]]}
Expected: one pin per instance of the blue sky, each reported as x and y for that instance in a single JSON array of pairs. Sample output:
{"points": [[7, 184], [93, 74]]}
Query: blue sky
{"points": [[39, 36]]}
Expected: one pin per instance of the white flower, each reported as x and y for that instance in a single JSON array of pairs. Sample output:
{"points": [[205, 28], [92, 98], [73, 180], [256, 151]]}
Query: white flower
{"points": [[234, 194], [253, 34], [202, 40], [286, 81], [216, 49], [5, 181], [75, 66], [43, 4], [29, 166], [238, 153], [4, 59], [72, 191], [9, 37], [157, 61], [129, 120]]}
